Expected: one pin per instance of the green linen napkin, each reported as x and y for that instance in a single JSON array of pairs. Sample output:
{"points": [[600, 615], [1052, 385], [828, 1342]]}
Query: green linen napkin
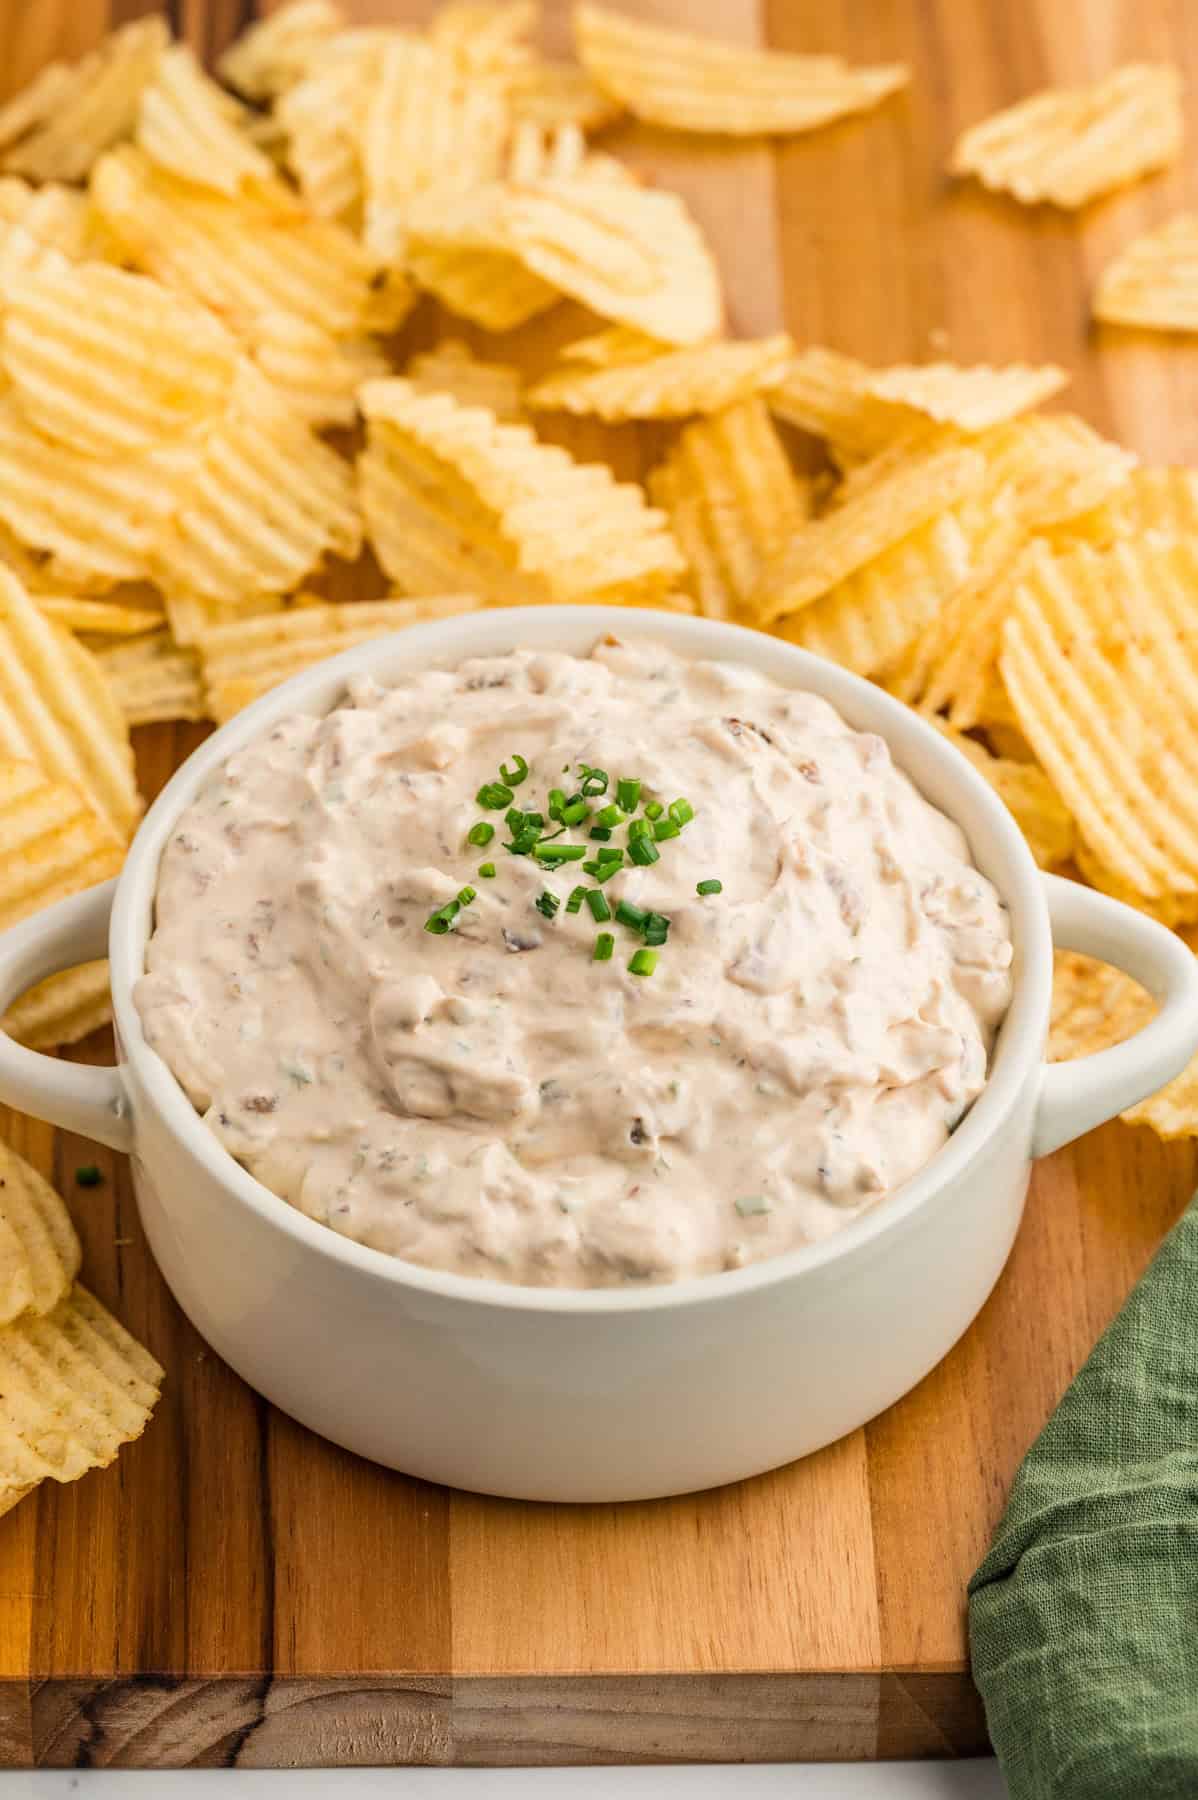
{"points": [[1083, 1618]]}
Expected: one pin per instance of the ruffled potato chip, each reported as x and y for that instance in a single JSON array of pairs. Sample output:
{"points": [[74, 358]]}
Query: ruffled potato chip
{"points": [[278, 50], [58, 128], [971, 398], [528, 517], [1028, 795], [1099, 662], [1153, 283], [113, 364], [154, 680], [247, 657], [1068, 145], [74, 1387], [705, 379], [732, 499], [189, 126], [914, 489], [62, 1009], [693, 83], [452, 368]]}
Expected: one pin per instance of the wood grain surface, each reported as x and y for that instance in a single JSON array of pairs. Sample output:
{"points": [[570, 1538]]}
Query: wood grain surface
{"points": [[235, 1590]]}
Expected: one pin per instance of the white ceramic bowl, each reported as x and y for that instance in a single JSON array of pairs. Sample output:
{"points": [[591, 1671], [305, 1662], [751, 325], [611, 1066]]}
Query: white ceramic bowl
{"points": [[553, 1394]]}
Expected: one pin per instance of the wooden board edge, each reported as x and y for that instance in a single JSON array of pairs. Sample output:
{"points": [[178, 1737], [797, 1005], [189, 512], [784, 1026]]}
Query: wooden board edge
{"points": [[188, 1722]]}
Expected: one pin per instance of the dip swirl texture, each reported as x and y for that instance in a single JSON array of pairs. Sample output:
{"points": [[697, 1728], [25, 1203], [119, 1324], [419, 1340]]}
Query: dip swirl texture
{"points": [[492, 1100]]}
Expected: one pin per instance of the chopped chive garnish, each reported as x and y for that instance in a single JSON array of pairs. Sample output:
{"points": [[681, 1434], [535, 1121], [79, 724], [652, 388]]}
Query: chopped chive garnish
{"points": [[605, 943], [515, 776], [466, 895], [480, 834], [709, 887], [442, 920], [654, 809], [557, 799], [492, 795], [665, 828], [611, 815], [639, 828], [577, 896], [628, 914], [610, 853], [555, 853], [575, 812], [90, 1176], [681, 811], [594, 781], [525, 843], [602, 871], [524, 821], [628, 793], [487, 871], [546, 903], [656, 929], [643, 851], [642, 962], [601, 832], [597, 902]]}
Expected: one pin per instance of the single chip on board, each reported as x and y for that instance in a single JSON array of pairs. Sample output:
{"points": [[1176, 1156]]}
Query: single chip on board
{"points": [[277, 50], [1067, 145], [318, 376], [1154, 281], [237, 256], [39, 1251], [695, 83], [268, 503], [58, 128], [971, 398], [916, 489], [56, 711], [671, 385], [154, 679], [1029, 796], [451, 367], [193, 128], [243, 660], [425, 126], [550, 94], [732, 499], [62, 1009], [534, 519], [74, 1387], [1099, 662], [112, 363]]}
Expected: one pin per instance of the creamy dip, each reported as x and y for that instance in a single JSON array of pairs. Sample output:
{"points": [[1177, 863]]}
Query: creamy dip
{"points": [[488, 1098]]}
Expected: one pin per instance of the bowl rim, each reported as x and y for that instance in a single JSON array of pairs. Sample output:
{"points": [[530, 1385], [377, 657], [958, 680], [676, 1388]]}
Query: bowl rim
{"points": [[443, 642]]}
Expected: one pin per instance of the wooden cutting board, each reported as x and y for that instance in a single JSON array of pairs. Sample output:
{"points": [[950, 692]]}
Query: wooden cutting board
{"points": [[235, 1591]]}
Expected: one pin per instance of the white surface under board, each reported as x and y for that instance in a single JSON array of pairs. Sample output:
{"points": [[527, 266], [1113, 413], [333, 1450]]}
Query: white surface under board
{"points": [[971, 1780]]}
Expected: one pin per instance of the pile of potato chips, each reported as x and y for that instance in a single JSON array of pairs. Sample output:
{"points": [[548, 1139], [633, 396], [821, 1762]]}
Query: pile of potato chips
{"points": [[212, 426]]}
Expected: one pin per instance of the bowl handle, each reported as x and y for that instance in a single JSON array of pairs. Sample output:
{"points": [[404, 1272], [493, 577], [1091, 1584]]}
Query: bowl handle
{"points": [[1075, 1096], [89, 1101]]}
